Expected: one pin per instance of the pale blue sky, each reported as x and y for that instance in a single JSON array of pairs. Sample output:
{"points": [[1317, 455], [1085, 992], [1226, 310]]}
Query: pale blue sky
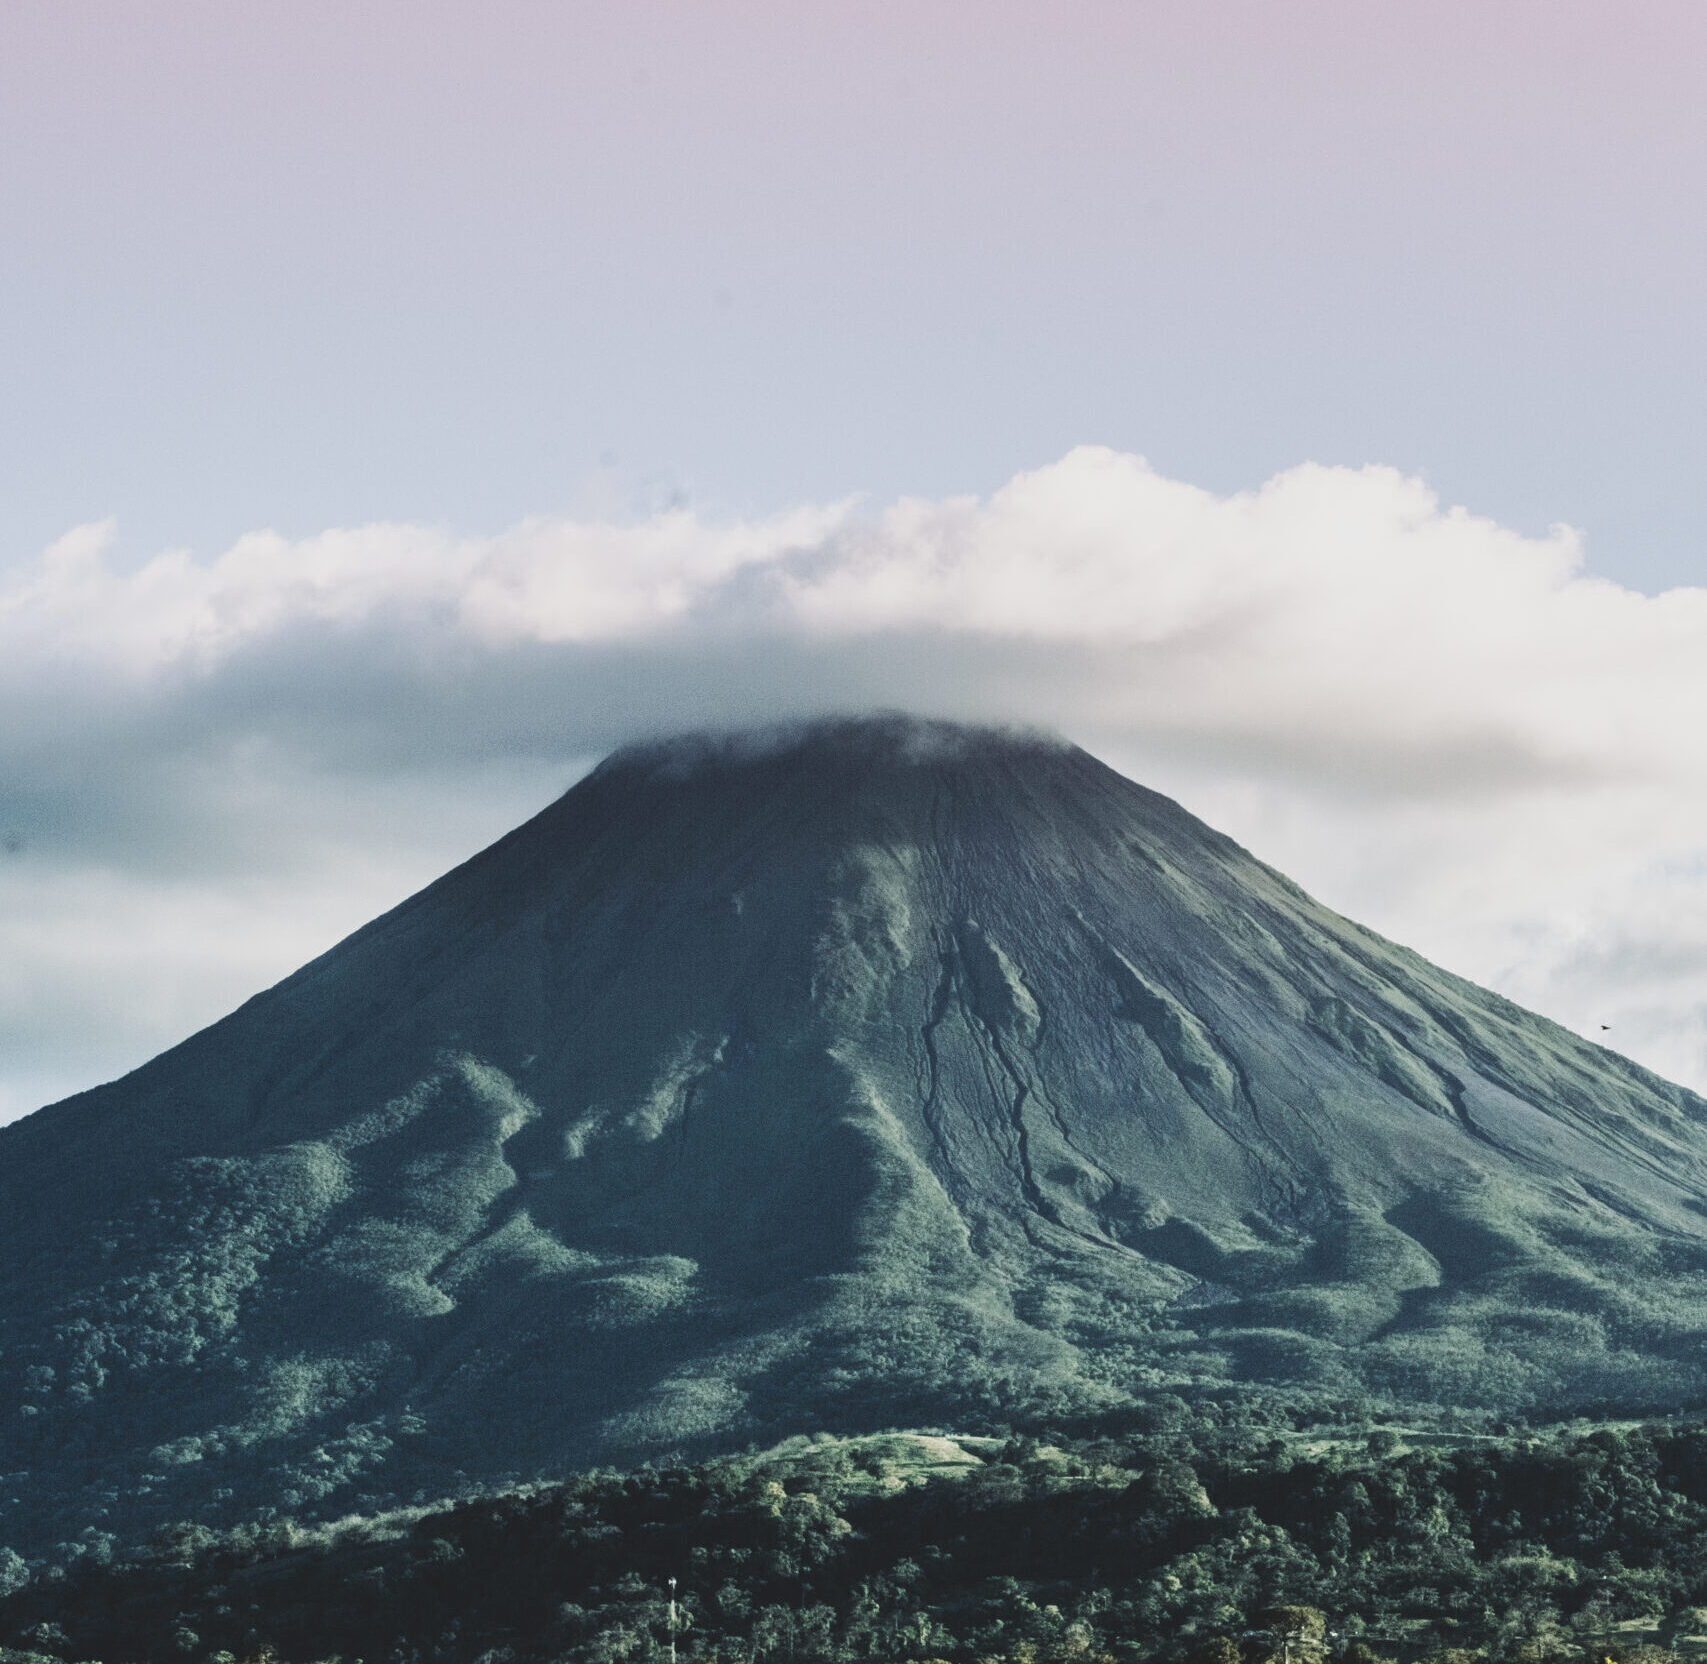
{"points": [[304, 265]]}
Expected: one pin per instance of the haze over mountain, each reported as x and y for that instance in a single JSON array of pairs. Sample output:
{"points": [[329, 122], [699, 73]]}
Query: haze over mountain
{"points": [[875, 1073]]}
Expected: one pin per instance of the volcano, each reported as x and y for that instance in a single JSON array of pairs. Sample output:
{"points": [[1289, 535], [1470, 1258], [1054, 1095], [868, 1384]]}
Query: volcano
{"points": [[879, 1073]]}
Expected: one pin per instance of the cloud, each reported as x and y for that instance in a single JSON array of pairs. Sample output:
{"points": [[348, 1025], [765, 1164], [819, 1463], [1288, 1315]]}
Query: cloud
{"points": [[1442, 726]]}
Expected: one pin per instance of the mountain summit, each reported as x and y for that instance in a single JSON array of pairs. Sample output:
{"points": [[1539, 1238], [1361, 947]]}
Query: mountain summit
{"points": [[878, 1073]]}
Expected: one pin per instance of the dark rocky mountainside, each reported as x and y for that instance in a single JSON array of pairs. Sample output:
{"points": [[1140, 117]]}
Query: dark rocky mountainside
{"points": [[885, 1074]]}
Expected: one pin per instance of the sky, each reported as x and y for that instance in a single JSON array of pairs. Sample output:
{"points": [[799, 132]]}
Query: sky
{"points": [[1297, 404]]}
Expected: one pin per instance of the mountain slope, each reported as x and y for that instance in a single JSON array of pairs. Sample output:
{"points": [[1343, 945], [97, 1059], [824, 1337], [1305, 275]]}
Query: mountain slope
{"points": [[885, 1073]]}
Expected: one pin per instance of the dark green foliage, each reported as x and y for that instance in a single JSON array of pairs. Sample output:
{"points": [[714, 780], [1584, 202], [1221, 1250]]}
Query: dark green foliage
{"points": [[1207, 1545]]}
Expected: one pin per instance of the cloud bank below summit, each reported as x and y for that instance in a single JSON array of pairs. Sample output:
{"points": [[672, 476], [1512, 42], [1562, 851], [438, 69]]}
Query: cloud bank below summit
{"points": [[1447, 729]]}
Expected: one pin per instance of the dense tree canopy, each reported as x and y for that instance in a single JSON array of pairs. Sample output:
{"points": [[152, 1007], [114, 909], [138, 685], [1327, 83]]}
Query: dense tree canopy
{"points": [[1192, 1537]]}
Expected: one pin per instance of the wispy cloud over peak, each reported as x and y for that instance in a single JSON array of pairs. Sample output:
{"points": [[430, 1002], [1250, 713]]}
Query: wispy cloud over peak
{"points": [[1330, 608]]}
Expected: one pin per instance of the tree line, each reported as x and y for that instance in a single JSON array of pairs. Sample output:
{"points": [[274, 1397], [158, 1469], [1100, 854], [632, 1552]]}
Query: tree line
{"points": [[1218, 1540]]}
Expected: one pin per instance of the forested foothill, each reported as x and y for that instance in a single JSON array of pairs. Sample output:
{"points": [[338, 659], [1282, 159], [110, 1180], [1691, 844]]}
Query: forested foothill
{"points": [[1214, 1534]]}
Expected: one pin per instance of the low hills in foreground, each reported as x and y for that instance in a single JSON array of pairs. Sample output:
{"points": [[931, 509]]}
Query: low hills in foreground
{"points": [[1203, 1540], [883, 1074]]}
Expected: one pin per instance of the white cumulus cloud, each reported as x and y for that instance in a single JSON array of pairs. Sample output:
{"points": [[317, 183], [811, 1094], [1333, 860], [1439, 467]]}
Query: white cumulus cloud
{"points": [[1446, 728]]}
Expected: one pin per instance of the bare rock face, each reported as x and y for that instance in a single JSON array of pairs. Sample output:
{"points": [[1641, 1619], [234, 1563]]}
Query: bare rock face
{"points": [[879, 1074]]}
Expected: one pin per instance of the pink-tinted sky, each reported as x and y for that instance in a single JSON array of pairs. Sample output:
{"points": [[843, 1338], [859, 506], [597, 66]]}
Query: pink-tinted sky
{"points": [[300, 264]]}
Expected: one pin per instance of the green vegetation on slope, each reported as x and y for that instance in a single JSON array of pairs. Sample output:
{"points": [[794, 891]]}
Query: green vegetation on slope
{"points": [[893, 1076], [1175, 1541]]}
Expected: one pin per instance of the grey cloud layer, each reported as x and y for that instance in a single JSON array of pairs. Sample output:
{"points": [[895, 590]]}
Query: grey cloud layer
{"points": [[1327, 662]]}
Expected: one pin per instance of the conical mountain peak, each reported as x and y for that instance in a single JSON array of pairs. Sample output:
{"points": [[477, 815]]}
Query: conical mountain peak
{"points": [[892, 738], [866, 1073]]}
